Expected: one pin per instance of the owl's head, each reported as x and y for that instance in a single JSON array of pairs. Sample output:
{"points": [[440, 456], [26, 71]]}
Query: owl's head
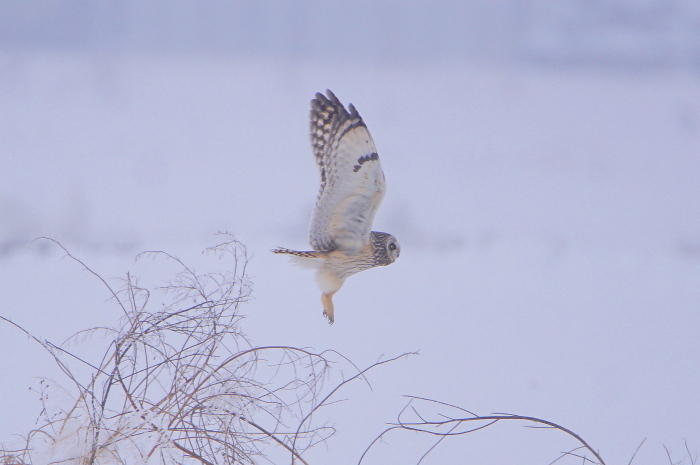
{"points": [[385, 247]]}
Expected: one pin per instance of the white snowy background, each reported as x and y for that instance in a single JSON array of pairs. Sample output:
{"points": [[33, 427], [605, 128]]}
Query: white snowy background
{"points": [[542, 161]]}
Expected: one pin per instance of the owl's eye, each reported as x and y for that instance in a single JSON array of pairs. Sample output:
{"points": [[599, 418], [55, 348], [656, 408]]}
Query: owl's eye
{"points": [[392, 246]]}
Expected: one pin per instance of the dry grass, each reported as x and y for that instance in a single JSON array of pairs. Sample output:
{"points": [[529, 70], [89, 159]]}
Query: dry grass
{"points": [[179, 383]]}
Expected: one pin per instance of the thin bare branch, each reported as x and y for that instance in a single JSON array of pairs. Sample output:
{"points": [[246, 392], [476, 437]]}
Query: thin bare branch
{"points": [[453, 423], [637, 450]]}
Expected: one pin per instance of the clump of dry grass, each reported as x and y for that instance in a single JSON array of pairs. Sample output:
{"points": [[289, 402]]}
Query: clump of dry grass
{"points": [[179, 383]]}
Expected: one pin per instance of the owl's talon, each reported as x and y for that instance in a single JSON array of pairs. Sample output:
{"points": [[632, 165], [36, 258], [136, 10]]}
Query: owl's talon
{"points": [[327, 301]]}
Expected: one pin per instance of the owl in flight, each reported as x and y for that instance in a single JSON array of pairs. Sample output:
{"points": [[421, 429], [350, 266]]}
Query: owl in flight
{"points": [[352, 187]]}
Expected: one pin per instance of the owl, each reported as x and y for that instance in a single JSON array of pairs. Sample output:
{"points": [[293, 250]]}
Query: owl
{"points": [[352, 188]]}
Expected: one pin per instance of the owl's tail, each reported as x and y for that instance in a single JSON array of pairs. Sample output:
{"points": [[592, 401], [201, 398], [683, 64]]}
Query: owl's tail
{"points": [[298, 253], [310, 259]]}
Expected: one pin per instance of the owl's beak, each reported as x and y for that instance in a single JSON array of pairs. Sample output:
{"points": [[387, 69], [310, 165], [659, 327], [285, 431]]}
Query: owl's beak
{"points": [[327, 301]]}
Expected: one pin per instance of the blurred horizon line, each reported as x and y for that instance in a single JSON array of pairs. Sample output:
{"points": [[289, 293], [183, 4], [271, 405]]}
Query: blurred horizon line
{"points": [[616, 33]]}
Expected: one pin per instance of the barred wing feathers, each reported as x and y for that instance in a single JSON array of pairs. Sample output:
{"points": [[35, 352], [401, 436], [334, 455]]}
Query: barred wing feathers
{"points": [[352, 180]]}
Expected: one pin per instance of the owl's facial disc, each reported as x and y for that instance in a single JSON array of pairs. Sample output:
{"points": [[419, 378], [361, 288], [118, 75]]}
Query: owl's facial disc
{"points": [[393, 249]]}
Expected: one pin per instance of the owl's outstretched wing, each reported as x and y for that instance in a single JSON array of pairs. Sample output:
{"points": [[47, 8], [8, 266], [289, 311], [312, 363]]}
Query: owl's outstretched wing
{"points": [[352, 181]]}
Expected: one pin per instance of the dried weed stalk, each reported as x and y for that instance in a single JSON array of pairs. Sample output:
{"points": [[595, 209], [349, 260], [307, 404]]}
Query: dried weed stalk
{"points": [[180, 384], [443, 420]]}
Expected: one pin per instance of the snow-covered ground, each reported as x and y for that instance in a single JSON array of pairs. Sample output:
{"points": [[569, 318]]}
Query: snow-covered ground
{"points": [[548, 217]]}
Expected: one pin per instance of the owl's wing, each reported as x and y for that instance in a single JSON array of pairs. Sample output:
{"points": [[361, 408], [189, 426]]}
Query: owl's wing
{"points": [[352, 181]]}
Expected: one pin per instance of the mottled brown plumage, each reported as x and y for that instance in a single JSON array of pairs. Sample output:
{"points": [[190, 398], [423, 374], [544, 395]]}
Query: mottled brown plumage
{"points": [[352, 188]]}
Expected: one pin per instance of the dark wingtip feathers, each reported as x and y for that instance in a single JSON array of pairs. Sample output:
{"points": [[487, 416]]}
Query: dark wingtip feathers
{"points": [[319, 99], [330, 99]]}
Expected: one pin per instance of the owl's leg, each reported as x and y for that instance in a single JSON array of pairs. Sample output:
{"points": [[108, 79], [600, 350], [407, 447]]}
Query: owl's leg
{"points": [[330, 283], [328, 310]]}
